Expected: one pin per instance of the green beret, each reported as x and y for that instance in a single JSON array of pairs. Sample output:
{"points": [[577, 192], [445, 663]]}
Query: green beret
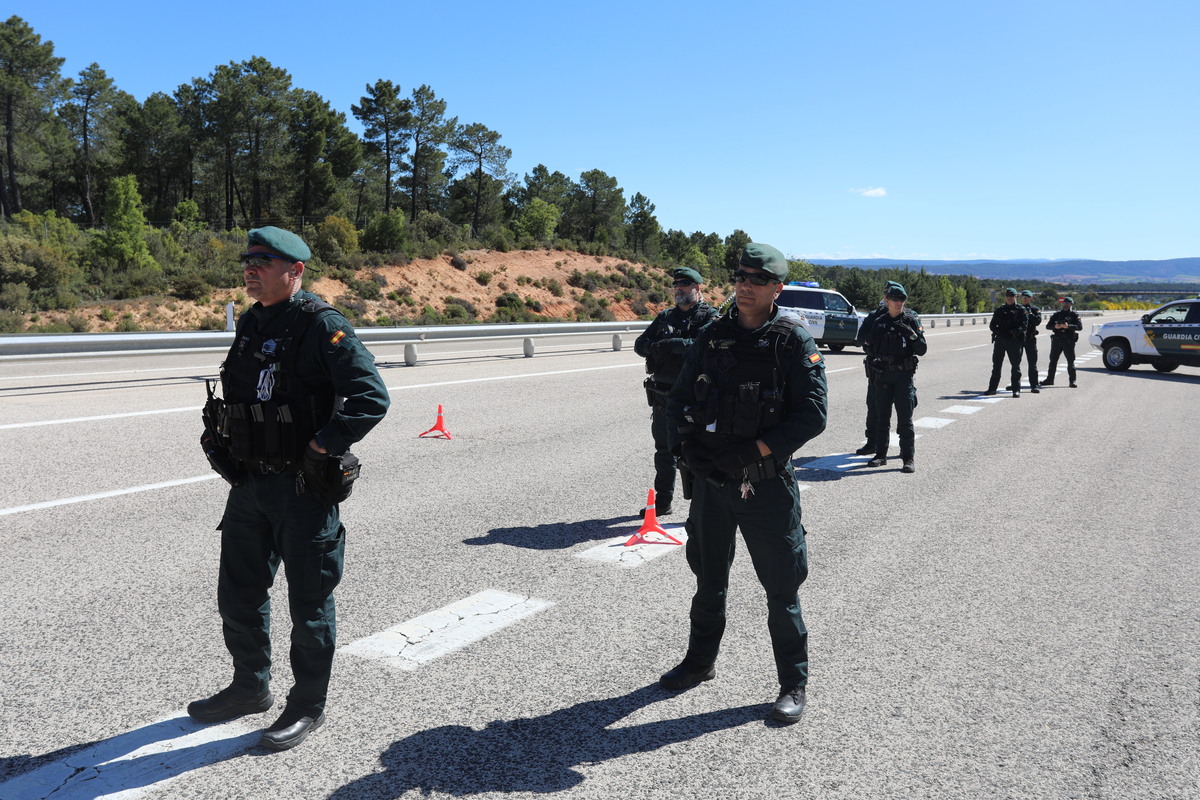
{"points": [[766, 258], [1026, 293], [1067, 300], [685, 274], [279, 241], [1011, 291], [895, 291]]}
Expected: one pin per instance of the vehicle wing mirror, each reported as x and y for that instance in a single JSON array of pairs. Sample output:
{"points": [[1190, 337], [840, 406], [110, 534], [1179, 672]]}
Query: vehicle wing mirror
{"points": [[1145, 318]]}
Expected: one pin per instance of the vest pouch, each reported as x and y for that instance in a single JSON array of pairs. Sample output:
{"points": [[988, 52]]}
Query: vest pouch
{"points": [[747, 411], [287, 435], [264, 435], [772, 409], [241, 438]]}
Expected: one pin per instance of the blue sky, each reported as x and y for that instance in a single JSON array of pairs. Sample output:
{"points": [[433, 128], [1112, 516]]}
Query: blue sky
{"points": [[920, 129]]}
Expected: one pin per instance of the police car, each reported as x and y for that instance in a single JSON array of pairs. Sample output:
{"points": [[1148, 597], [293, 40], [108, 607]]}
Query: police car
{"points": [[1165, 338], [826, 315]]}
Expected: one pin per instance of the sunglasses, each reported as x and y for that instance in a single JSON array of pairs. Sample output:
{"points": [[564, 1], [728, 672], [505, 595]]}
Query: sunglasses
{"points": [[683, 283], [757, 278], [261, 259]]}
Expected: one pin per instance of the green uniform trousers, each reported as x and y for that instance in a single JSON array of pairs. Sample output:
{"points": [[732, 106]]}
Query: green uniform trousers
{"points": [[895, 388], [265, 522], [770, 523], [1002, 348], [664, 460]]}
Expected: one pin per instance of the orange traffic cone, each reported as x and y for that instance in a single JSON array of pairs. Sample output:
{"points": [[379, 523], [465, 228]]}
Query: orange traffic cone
{"points": [[650, 526], [438, 430]]}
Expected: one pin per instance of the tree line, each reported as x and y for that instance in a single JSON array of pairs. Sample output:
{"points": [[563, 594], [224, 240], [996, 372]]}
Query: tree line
{"points": [[103, 196]]}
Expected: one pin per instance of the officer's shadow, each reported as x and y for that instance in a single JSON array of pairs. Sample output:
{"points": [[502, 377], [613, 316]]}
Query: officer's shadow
{"points": [[554, 535], [532, 755]]}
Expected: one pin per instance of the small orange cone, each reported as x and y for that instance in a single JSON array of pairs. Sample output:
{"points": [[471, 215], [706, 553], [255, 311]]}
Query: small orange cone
{"points": [[438, 430], [650, 526]]}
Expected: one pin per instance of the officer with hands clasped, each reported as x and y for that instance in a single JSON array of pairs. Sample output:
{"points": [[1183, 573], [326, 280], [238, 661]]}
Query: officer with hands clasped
{"points": [[662, 345], [1008, 336], [299, 389], [1064, 327], [893, 341], [1033, 318], [750, 393]]}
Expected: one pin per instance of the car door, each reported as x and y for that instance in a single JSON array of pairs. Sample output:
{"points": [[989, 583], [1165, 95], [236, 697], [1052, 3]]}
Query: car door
{"points": [[1174, 331], [841, 322], [806, 307]]}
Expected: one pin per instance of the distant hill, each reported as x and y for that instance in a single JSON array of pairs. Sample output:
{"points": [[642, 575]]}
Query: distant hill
{"points": [[1171, 270]]}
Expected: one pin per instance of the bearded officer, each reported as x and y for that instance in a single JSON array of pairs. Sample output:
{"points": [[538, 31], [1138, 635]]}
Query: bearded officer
{"points": [[751, 392], [299, 389], [662, 344]]}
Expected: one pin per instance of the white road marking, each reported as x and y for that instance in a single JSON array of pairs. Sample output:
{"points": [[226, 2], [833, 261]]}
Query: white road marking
{"points": [[102, 495], [410, 644], [982, 399], [931, 422], [135, 763], [614, 550], [390, 389], [58, 375], [961, 409], [842, 369], [972, 347], [93, 419]]}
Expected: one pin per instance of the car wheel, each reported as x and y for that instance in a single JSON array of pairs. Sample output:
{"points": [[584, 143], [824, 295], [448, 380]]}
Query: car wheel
{"points": [[836, 348], [1116, 355], [1165, 366]]}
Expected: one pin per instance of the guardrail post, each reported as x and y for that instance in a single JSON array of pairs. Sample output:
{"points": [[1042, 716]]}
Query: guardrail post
{"points": [[410, 355], [528, 348], [933, 323], [616, 342], [229, 321]]}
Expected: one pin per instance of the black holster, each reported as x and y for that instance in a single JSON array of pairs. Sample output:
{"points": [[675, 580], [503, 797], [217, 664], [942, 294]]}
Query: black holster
{"points": [[687, 480]]}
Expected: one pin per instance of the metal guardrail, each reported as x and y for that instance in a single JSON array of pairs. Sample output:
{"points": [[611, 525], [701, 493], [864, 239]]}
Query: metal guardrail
{"points": [[41, 345], [931, 320]]}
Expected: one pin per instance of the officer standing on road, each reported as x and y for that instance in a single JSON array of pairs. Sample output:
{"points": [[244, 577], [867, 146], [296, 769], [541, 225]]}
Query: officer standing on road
{"points": [[1008, 336], [869, 447], [662, 344], [1064, 327], [299, 389], [893, 344], [1033, 318], [751, 392]]}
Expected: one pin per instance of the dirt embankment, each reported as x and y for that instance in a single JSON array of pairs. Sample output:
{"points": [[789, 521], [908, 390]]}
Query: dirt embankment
{"points": [[541, 278]]}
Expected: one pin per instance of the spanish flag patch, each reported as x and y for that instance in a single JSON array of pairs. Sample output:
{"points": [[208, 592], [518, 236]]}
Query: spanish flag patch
{"points": [[815, 357], [337, 337]]}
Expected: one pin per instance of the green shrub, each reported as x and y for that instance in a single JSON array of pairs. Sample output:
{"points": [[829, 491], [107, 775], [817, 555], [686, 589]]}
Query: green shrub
{"points": [[211, 324], [483, 278], [127, 324], [459, 309], [11, 322], [192, 287], [555, 287], [79, 324], [458, 262]]}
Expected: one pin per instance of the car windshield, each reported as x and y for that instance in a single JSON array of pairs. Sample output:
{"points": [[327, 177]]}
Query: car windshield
{"points": [[1171, 314], [835, 302]]}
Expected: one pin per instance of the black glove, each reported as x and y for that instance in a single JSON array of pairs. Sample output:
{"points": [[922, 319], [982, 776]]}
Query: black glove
{"points": [[906, 330], [698, 459], [665, 348], [313, 469], [734, 459]]}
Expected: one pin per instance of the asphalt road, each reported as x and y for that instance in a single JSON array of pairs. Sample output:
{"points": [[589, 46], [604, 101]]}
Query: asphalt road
{"points": [[1016, 620]]}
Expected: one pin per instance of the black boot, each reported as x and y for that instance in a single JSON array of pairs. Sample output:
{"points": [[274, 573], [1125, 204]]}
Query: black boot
{"points": [[228, 704], [866, 450], [789, 706]]}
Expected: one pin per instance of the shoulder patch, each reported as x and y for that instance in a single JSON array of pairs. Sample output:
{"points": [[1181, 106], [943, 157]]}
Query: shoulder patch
{"points": [[337, 337], [814, 358]]}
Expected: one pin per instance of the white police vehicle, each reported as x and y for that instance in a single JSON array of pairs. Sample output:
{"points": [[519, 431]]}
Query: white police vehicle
{"points": [[826, 315], [1166, 338]]}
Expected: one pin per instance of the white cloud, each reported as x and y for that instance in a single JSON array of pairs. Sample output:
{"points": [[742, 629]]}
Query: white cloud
{"points": [[871, 191]]}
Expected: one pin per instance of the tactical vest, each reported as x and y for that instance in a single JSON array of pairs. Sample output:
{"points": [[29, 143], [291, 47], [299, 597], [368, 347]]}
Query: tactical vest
{"points": [[740, 389], [269, 416], [891, 347], [665, 373]]}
